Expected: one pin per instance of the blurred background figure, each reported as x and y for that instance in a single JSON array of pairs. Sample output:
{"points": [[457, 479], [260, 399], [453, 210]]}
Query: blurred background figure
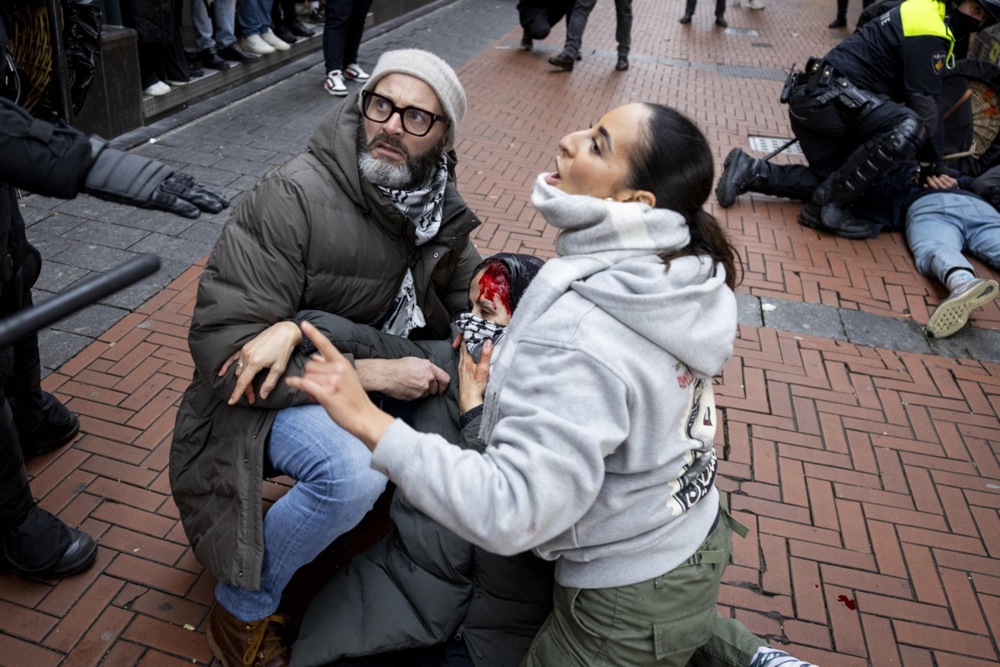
{"points": [[254, 18], [342, 28], [286, 24], [537, 17], [841, 20], [162, 62]]}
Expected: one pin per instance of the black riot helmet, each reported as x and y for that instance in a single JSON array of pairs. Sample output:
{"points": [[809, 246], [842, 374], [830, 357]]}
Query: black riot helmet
{"points": [[992, 8]]}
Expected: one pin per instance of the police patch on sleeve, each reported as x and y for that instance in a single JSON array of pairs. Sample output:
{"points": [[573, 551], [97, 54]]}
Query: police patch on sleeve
{"points": [[938, 60]]}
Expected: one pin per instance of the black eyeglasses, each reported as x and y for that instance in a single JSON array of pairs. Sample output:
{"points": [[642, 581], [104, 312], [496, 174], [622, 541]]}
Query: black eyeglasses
{"points": [[416, 121]]}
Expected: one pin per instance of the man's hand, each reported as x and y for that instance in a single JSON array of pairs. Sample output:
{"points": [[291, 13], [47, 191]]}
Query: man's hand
{"points": [[271, 349], [404, 379], [941, 182], [330, 381]]}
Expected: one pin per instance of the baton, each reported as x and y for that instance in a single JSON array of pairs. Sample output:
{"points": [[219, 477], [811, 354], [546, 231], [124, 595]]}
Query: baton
{"points": [[779, 149], [76, 298]]}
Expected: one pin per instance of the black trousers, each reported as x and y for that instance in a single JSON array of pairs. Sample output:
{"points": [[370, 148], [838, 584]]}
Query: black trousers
{"points": [[20, 372], [828, 130]]}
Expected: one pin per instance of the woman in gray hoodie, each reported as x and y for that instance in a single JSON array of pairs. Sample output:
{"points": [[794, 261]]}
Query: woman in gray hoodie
{"points": [[599, 415]]}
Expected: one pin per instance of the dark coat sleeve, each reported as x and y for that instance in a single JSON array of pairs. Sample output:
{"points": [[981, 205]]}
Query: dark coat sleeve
{"points": [[41, 157]]}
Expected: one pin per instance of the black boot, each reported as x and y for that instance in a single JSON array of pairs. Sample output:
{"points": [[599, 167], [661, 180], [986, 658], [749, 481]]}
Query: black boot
{"points": [[720, 10], [296, 27], [740, 173], [838, 23], [33, 543], [830, 206], [834, 220], [688, 11], [55, 427], [212, 60], [43, 547], [563, 61]]}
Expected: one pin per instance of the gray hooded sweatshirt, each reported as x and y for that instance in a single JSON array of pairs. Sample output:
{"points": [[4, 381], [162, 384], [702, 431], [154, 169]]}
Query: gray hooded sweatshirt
{"points": [[599, 415]]}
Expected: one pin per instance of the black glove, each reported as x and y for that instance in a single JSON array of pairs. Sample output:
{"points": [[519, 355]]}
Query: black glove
{"points": [[132, 179]]}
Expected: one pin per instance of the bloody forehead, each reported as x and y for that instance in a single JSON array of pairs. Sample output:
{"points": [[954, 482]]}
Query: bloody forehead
{"points": [[494, 284]]}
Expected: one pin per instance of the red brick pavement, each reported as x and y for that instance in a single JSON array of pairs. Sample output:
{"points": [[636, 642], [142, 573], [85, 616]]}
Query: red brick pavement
{"points": [[868, 478]]}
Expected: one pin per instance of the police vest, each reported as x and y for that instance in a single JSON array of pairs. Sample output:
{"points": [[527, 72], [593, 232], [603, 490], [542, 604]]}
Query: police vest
{"points": [[926, 17]]}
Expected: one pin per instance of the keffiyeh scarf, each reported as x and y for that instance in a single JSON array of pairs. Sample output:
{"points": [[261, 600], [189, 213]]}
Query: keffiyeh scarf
{"points": [[424, 208], [476, 331]]}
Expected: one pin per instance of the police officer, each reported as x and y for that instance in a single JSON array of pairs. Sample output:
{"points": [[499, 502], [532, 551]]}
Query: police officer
{"points": [[869, 103], [58, 161]]}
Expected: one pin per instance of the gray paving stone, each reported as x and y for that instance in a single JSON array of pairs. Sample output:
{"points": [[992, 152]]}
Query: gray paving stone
{"points": [[748, 310], [56, 347], [56, 277], [805, 318], [93, 257], [980, 344], [886, 332], [169, 247], [91, 321], [107, 234]]}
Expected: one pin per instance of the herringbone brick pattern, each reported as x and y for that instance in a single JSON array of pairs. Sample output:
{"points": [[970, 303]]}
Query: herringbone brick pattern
{"points": [[869, 478]]}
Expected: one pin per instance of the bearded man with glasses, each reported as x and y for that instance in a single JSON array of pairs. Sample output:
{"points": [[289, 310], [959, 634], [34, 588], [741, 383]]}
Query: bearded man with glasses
{"points": [[367, 225]]}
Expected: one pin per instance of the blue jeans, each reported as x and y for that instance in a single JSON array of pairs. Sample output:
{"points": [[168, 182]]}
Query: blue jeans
{"points": [[576, 23], [254, 16], [940, 226], [334, 488], [223, 19], [345, 21]]}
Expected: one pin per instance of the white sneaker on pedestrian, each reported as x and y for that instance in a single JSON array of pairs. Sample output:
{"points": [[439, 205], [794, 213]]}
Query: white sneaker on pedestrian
{"points": [[157, 88], [334, 83], [954, 311], [275, 41], [254, 44], [355, 73], [756, 4]]}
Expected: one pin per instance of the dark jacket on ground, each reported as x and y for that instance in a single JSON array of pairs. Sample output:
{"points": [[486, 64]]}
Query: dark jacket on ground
{"points": [[422, 585], [312, 236]]}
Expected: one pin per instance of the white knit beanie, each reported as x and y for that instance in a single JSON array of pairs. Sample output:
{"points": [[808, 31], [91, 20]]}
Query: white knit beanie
{"points": [[433, 71]]}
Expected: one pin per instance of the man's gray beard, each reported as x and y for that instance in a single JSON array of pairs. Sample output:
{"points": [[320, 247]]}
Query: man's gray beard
{"points": [[415, 172]]}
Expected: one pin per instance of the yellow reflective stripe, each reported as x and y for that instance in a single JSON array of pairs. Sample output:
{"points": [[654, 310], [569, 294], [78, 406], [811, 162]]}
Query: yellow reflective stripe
{"points": [[925, 17]]}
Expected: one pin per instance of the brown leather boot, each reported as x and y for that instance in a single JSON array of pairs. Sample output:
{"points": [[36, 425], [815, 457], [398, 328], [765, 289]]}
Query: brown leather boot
{"points": [[235, 643]]}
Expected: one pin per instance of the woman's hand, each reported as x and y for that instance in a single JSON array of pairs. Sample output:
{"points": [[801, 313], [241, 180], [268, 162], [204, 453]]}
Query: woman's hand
{"points": [[472, 376], [331, 381], [271, 348]]}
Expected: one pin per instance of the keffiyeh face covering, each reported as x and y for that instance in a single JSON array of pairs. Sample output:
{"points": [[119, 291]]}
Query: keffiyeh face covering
{"points": [[476, 331]]}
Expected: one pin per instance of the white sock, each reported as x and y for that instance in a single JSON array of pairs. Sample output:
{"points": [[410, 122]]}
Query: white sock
{"points": [[772, 657], [958, 277]]}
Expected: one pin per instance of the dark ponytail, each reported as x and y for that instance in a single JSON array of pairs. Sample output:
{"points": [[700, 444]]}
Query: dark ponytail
{"points": [[677, 167]]}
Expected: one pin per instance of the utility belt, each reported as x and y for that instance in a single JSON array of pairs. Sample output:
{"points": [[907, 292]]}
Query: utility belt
{"points": [[820, 78]]}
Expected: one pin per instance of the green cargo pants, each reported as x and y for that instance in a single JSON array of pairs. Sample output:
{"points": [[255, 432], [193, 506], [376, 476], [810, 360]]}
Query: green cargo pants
{"points": [[662, 621]]}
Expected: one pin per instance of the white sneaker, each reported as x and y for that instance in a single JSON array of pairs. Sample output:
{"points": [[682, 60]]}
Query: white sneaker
{"points": [[254, 44], [334, 83], [355, 73], [756, 4], [275, 41], [954, 311], [158, 88]]}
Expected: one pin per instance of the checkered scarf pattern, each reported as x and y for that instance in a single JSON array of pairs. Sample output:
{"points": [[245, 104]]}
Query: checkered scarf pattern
{"points": [[476, 331], [423, 207]]}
